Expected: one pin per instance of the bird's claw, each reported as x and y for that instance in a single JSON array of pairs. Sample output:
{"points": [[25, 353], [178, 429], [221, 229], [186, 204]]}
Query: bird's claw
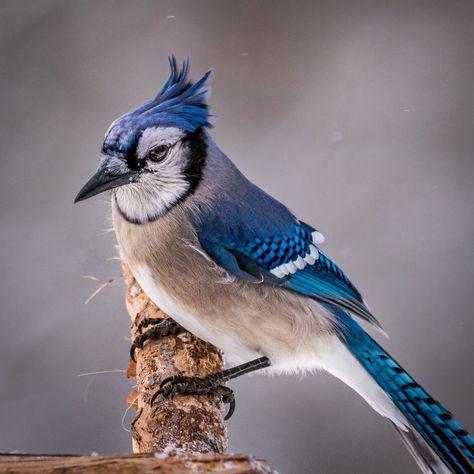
{"points": [[162, 328], [145, 322], [180, 384]]}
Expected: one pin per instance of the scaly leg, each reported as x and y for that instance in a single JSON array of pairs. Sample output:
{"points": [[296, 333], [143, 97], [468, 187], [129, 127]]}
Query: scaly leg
{"points": [[211, 383]]}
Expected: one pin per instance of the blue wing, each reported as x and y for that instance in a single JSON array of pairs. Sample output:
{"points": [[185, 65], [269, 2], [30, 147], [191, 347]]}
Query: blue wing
{"points": [[289, 257]]}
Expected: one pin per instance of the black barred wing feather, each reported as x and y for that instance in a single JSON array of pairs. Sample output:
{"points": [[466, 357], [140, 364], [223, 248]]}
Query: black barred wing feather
{"points": [[293, 260]]}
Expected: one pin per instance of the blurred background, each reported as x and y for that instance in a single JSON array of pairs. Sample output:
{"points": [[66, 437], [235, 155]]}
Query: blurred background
{"points": [[357, 114]]}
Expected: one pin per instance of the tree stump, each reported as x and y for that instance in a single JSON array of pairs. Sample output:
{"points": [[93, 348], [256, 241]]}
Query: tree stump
{"points": [[179, 425]]}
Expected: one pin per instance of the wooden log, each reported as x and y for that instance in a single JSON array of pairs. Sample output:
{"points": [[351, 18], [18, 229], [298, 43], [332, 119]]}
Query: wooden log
{"points": [[183, 424], [131, 464]]}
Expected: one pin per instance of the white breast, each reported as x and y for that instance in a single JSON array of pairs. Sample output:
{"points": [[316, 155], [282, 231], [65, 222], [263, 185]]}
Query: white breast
{"points": [[234, 350]]}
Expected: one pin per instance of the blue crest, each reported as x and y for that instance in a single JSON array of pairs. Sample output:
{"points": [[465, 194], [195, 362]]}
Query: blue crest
{"points": [[179, 103]]}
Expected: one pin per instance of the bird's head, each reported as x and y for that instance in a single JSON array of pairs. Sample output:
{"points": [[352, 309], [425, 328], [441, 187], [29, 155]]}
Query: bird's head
{"points": [[153, 155]]}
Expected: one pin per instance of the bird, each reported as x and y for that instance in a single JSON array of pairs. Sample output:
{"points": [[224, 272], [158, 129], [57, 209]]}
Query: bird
{"points": [[235, 267]]}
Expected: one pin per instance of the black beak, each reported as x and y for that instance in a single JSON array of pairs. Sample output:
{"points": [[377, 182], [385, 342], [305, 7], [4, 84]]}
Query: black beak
{"points": [[103, 181]]}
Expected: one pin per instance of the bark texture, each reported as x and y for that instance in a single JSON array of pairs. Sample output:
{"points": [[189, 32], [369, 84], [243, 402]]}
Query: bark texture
{"points": [[184, 424], [131, 464]]}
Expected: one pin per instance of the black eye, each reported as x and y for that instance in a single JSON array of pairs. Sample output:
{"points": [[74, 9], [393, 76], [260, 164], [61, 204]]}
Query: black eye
{"points": [[158, 153]]}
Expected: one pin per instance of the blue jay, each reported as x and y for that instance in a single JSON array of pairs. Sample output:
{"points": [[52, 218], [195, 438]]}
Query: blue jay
{"points": [[235, 267]]}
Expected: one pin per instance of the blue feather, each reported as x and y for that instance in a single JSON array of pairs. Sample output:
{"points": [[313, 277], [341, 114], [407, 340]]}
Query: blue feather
{"points": [[429, 418], [179, 103]]}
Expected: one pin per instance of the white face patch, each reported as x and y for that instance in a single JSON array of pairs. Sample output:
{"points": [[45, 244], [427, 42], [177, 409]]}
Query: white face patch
{"points": [[153, 194], [155, 136], [162, 184]]}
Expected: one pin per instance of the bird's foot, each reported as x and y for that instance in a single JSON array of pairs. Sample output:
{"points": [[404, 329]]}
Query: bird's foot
{"points": [[213, 383], [162, 327]]}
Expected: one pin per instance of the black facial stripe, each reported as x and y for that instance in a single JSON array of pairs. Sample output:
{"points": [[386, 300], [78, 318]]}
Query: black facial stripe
{"points": [[197, 146], [131, 157]]}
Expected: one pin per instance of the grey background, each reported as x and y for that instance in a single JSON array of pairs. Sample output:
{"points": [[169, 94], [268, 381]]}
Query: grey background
{"points": [[357, 114]]}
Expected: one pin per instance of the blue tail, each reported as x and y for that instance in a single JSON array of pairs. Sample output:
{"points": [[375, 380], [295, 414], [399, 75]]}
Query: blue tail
{"points": [[444, 435]]}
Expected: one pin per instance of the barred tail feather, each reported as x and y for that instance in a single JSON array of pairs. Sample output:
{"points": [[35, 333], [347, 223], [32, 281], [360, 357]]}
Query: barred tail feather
{"points": [[428, 461], [434, 434]]}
